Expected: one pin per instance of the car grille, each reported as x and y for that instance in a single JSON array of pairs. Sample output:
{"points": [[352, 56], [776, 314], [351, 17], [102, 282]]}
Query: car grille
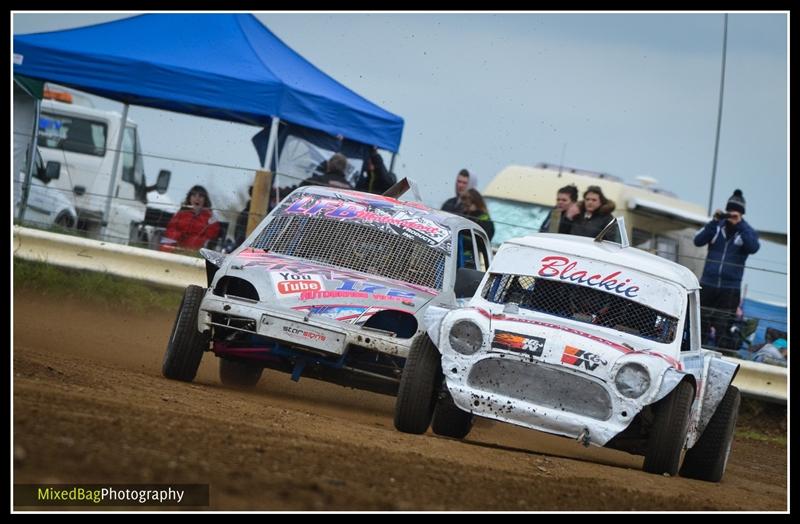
{"points": [[542, 385], [354, 246]]}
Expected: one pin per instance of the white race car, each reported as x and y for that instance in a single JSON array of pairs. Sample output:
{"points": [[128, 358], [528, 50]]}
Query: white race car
{"points": [[333, 285], [583, 338]]}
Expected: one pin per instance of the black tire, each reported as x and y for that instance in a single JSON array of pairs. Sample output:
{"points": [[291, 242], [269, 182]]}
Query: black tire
{"points": [[668, 435], [449, 420], [416, 396], [706, 460], [239, 374], [186, 345], [65, 220]]}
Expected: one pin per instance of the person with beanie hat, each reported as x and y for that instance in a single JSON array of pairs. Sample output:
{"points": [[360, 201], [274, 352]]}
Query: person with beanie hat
{"points": [[730, 240], [736, 202]]}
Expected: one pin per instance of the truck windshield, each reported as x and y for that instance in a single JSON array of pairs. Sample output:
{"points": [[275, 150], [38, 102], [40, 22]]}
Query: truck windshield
{"points": [[69, 133], [515, 219]]}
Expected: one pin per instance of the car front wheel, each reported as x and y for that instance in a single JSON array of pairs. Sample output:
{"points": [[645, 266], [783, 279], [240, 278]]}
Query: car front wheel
{"points": [[451, 421], [186, 345], [668, 434], [422, 374], [706, 460]]}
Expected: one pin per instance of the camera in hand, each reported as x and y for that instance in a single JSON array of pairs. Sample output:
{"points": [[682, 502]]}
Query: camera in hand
{"points": [[721, 216]]}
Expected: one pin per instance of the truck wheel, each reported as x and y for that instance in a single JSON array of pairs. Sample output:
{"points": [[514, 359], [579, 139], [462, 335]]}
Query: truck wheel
{"points": [[186, 345], [663, 454], [449, 420], [422, 374], [706, 460], [239, 374], [65, 220]]}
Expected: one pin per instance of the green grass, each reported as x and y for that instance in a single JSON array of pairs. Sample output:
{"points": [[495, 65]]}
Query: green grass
{"points": [[764, 421], [754, 434], [100, 289]]}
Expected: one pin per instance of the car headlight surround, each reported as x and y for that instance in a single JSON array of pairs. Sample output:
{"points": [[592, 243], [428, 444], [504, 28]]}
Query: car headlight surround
{"points": [[632, 380], [466, 337]]}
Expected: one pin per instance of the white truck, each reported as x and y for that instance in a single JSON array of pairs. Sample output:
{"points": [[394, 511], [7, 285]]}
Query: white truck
{"points": [[44, 207], [83, 140]]}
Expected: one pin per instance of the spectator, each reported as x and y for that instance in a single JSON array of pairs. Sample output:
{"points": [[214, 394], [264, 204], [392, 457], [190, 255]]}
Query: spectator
{"points": [[773, 353], [474, 207], [592, 214], [464, 181], [334, 176], [730, 240], [375, 178], [566, 198], [240, 232], [192, 226]]}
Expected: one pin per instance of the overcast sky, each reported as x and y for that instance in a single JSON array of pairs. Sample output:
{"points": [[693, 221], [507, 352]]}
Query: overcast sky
{"points": [[627, 94]]}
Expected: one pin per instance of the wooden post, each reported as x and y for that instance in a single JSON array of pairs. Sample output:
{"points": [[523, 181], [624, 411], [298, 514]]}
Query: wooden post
{"points": [[259, 200]]}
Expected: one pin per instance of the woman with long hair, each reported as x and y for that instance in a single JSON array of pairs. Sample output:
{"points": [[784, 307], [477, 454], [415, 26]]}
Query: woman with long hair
{"points": [[593, 214], [474, 207], [194, 225]]}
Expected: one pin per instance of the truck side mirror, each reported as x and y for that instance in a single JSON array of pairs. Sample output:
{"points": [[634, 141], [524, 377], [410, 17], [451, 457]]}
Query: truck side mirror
{"points": [[52, 171], [162, 183]]}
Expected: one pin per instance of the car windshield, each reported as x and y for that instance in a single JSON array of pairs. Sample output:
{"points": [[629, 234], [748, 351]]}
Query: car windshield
{"points": [[581, 303], [356, 246], [515, 219]]}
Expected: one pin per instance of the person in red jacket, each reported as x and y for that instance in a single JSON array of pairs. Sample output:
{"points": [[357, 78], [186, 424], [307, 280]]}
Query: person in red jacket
{"points": [[192, 226]]}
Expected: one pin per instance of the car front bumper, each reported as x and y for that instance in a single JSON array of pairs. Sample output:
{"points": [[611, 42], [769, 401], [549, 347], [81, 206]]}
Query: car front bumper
{"points": [[537, 395], [296, 329]]}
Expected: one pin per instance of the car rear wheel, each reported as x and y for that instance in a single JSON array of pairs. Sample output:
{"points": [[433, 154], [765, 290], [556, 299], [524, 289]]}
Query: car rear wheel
{"points": [[422, 374], [663, 454], [451, 421], [239, 374], [186, 345], [706, 460]]}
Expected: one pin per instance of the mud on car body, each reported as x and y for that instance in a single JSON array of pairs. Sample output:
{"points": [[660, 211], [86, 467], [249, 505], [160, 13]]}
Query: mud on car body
{"points": [[582, 338], [333, 285]]}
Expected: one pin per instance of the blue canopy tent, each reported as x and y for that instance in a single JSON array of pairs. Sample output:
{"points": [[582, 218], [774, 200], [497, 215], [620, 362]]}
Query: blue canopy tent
{"points": [[228, 67], [223, 66]]}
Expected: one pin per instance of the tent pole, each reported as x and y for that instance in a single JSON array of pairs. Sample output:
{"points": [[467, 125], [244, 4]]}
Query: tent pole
{"points": [[26, 187], [272, 144], [112, 182], [391, 163]]}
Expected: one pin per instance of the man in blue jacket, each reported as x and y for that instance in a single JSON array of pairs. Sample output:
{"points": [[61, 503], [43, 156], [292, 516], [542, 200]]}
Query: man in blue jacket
{"points": [[730, 240]]}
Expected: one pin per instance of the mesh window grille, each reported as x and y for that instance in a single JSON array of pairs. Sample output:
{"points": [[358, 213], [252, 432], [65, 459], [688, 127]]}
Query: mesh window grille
{"points": [[354, 246], [584, 304]]}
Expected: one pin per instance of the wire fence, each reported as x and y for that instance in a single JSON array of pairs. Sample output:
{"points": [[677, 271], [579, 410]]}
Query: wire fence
{"points": [[143, 238]]}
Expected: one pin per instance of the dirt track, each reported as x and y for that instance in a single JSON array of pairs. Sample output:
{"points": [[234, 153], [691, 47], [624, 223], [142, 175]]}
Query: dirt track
{"points": [[91, 406]]}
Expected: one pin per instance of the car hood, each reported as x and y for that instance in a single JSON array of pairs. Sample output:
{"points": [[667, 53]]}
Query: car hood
{"points": [[293, 283]]}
